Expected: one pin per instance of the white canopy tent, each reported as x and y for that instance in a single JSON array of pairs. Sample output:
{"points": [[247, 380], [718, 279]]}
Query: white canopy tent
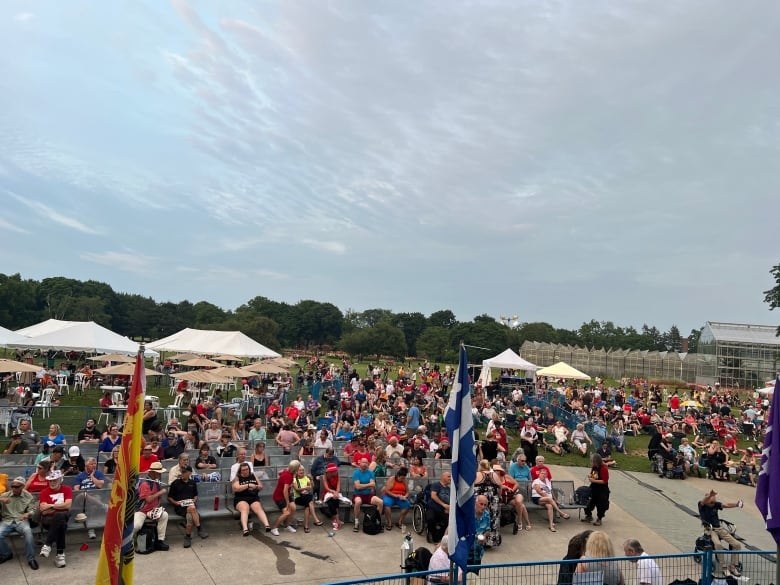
{"points": [[506, 360], [85, 336], [203, 341], [7, 336], [45, 327]]}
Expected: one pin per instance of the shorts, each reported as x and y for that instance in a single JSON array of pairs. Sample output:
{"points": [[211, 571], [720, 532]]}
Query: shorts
{"points": [[281, 504], [365, 498], [396, 501], [536, 499]]}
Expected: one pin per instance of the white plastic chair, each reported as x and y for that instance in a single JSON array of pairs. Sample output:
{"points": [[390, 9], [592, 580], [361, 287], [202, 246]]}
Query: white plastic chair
{"points": [[103, 415], [78, 382], [5, 419], [117, 398], [62, 382], [45, 402]]}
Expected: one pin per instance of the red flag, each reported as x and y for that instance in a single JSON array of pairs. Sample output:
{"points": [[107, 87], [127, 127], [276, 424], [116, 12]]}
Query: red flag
{"points": [[115, 565]]}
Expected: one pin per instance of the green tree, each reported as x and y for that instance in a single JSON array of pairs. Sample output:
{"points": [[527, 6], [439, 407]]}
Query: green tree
{"points": [[208, 313], [372, 317], [435, 343], [412, 325], [542, 332], [383, 339], [316, 323], [772, 296], [18, 302], [444, 318], [261, 329], [693, 340]]}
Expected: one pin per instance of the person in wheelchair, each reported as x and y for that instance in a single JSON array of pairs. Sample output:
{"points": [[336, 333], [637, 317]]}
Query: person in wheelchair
{"points": [[709, 506], [667, 454]]}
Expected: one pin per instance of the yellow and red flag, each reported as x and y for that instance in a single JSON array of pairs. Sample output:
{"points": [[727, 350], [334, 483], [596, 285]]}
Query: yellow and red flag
{"points": [[115, 565]]}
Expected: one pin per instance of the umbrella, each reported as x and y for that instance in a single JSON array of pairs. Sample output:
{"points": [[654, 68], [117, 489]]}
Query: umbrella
{"points": [[14, 366], [124, 370], [183, 356], [113, 357], [200, 376], [692, 403], [283, 361], [232, 372], [227, 358], [265, 368], [201, 363]]}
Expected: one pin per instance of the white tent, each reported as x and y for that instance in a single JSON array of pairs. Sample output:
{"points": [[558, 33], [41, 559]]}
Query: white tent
{"points": [[45, 327], [562, 370], [8, 336], [213, 343], [85, 336], [507, 360]]}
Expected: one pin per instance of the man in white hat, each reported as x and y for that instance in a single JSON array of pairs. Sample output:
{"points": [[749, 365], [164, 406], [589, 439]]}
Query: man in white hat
{"points": [[55, 503], [151, 492], [16, 507]]}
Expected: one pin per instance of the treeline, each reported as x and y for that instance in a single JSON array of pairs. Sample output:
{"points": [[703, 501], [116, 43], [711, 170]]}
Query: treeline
{"points": [[308, 324]]}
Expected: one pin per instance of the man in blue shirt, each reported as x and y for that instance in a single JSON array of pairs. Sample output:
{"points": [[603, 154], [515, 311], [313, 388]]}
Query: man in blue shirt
{"points": [[412, 420], [89, 479], [519, 470], [365, 490]]}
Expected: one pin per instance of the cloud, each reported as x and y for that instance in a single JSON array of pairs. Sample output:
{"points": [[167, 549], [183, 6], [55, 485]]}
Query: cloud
{"points": [[128, 261], [327, 246], [53, 215], [24, 17], [4, 225]]}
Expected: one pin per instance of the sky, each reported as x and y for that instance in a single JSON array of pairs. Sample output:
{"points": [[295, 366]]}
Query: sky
{"points": [[560, 161]]}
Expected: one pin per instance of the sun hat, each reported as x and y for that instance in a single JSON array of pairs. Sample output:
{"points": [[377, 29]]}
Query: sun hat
{"points": [[74, 451], [157, 467], [497, 467], [331, 468], [80, 517], [19, 480], [54, 475]]}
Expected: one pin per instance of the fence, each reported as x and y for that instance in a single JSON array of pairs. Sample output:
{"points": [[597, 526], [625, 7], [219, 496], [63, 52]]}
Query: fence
{"points": [[703, 568]]}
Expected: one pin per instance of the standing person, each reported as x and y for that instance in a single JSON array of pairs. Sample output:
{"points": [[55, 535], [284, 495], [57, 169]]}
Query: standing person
{"points": [[283, 497], [488, 485], [574, 551], [599, 546], [17, 506], [599, 490], [708, 512], [183, 495], [55, 503], [647, 571]]}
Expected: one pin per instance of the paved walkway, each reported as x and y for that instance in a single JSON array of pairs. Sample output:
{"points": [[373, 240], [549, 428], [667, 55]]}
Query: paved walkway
{"points": [[644, 506]]}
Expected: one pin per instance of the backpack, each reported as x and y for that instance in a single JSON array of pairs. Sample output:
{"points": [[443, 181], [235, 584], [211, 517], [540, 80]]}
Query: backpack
{"points": [[372, 521], [146, 539], [582, 495], [419, 560]]}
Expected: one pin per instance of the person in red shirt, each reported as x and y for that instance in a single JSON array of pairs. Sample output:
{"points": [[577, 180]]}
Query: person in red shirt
{"points": [[599, 490], [55, 503], [283, 496], [730, 444], [147, 458], [360, 452], [674, 403], [538, 467], [291, 413]]}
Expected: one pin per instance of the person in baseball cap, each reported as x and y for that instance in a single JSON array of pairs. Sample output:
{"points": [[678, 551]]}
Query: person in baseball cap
{"points": [[18, 506], [56, 500]]}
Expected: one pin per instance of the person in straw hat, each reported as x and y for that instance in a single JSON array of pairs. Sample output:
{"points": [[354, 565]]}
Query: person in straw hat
{"points": [[151, 492]]}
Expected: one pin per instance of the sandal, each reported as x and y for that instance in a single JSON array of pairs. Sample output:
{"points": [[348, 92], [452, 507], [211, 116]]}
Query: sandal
{"points": [[388, 527], [565, 516], [401, 526], [306, 529], [245, 533], [318, 523], [552, 529], [528, 527]]}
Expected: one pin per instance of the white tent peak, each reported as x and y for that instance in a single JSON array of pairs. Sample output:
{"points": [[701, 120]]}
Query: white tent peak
{"points": [[8, 336], [203, 341], [562, 370], [46, 327], [509, 360], [85, 336]]}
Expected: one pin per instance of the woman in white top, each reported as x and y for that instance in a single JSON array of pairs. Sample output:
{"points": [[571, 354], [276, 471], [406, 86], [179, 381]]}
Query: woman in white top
{"points": [[581, 439], [542, 494]]}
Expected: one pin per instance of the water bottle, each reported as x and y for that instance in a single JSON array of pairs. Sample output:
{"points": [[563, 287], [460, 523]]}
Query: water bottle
{"points": [[216, 503]]}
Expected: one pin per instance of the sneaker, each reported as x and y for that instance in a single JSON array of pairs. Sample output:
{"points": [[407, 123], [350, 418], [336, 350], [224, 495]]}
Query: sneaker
{"points": [[161, 545], [291, 529], [187, 541], [587, 519], [597, 522], [357, 527], [45, 551], [735, 572], [91, 534], [60, 562], [275, 531]]}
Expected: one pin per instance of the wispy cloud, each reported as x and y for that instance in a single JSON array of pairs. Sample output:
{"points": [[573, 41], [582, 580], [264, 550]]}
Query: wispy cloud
{"points": [[328, 246], [24, 17], [127, 261], [53, 215], [7, 226]]}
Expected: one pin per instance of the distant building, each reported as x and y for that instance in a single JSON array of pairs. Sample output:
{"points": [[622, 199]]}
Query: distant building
{"points": [[737, 355]]}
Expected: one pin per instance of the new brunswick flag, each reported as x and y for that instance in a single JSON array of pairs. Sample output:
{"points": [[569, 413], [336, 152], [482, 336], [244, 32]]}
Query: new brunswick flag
{"points": [[115, 565]]}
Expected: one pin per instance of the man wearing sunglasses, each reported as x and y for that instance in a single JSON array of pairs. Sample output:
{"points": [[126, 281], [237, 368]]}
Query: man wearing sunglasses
{"points": [[16, 508]]}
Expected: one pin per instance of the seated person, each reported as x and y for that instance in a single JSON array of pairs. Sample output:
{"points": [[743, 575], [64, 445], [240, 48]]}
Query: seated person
{"points": [[745, 474], [17, 506], [549, 443], [55, 503], [605, 451], [150, 494], [184, 496]]}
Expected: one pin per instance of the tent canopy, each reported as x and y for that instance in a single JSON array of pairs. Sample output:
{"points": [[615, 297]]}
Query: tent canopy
{"points": [[509, 360], [8, 336], [45, 327], [203, 341], [562, 370], [85, 336]]}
